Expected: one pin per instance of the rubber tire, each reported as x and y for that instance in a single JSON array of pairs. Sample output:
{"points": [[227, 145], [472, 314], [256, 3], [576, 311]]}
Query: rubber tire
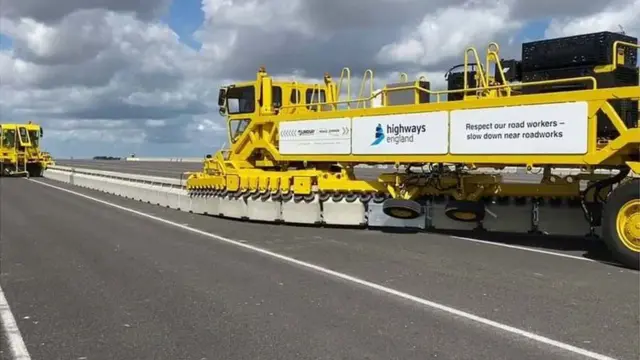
{"points": [[620, 195], [35, 170], [409, 205], [475, 207]]}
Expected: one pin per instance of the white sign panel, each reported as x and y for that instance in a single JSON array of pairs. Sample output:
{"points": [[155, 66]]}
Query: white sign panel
{"points": [[529, 129], [424, 133], [315, 137]]}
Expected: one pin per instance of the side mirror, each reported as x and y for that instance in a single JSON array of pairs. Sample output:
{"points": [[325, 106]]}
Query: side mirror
{"points": [[222, 97], [41, 132]]}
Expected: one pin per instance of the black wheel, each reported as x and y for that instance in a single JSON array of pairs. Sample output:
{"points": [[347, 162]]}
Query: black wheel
{"points": [[337, 197], [379, 198], [351, 197], [465, 211], [324, 196], [35, 170], [621, 224], [402, 209], [287, 196]]}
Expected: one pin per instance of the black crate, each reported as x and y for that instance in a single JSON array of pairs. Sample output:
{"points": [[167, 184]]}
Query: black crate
{"points": [[581, 50], [455, 81], [627, 109], [512, 70], [622, 76]]}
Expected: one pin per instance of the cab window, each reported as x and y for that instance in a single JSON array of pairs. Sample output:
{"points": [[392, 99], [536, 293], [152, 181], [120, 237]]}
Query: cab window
{"points": [[241, 100], [295, 96], [9, 138], [276, 94], [314, 96], [24, 138], [34, 135], [276, 97], [237, 128]]}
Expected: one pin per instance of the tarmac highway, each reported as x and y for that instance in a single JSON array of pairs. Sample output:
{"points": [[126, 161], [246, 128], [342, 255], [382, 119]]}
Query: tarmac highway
{"points": [[90, 276]]}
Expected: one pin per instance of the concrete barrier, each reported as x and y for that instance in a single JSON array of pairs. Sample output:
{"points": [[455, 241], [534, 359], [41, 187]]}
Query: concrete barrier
{"points": [[172, 193], [165, 159]]}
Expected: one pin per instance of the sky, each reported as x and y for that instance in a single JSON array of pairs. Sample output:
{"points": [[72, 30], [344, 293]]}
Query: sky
{"points": [[115, 77]]}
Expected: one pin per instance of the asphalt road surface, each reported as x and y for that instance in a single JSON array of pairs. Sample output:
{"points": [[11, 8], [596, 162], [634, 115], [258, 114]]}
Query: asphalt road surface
{"points": [[87, 280]]}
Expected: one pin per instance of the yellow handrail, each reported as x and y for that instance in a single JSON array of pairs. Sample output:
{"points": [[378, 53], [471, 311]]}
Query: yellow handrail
{"points": [[445, 92], [362, 84], [480, 71], [344, 71], [482, 75]]}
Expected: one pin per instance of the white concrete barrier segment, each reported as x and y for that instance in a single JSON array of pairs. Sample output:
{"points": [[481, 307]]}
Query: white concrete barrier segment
{"points": [[172, 193], [165, 159]]}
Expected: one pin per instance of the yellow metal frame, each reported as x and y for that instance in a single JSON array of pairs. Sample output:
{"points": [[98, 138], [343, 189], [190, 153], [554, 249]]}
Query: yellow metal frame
{"points": [[253, 162], [489, 95]]}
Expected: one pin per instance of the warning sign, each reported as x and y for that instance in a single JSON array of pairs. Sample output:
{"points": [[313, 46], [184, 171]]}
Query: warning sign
{"points": [[531, 129]]}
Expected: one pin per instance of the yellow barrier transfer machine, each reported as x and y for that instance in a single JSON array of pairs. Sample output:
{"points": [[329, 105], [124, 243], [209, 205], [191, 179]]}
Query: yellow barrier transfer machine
{"points": [[20, 150], [566, 113]]}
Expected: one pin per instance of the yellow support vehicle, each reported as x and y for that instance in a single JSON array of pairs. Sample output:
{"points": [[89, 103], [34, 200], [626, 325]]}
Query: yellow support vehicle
{"points": [[567, 111], [20, 150]]}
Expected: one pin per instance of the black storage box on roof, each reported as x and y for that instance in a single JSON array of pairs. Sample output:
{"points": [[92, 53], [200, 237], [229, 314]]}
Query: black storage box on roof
{"points": [[455, 81], [622, 76], [593, 49]]}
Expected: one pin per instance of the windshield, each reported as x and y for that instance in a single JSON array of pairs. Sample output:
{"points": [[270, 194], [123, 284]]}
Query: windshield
{"points": [[9, 138], [24, 137], [241, 100], [35, 137]]}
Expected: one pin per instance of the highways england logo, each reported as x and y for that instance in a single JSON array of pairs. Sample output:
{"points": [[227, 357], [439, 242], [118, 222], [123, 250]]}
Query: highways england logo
{"points": [[379, 135], [397, 133]]}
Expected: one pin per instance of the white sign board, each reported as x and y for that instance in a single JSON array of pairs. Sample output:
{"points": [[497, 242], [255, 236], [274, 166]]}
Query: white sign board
{"points": [[423, 133], [529, 129], [315, 137]]}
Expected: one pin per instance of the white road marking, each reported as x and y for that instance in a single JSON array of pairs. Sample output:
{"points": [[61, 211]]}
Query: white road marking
{"points": [[575, 257], [524, 248], [383, 289], [11, 331]]}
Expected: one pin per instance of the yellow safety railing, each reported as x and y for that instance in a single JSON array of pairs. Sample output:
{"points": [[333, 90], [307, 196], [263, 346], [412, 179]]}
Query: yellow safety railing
{"points": [[362, 86], [482, 74]]}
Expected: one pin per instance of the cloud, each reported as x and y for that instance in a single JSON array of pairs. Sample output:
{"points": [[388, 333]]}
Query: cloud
{"points": [[101, 74], [614, 17], [48, 12], [442, 35]]}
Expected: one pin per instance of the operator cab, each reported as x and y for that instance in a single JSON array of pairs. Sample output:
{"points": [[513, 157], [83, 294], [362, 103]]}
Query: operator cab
{"points": [[14, 136], [241, 103], [35, 133]]}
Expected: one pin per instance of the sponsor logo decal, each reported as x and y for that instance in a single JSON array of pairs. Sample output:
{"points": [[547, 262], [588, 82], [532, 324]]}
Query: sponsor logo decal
{"points": [[397, 133]]}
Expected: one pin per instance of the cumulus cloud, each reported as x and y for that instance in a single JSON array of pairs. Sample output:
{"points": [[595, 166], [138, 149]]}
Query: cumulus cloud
{"points": [[52, 11], [442, 35], [616, 16], [105, 73]]}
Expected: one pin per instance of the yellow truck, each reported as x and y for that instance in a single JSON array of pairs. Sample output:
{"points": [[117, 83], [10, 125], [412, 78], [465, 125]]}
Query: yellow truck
{"points": [[20, 150], [576, 109]]}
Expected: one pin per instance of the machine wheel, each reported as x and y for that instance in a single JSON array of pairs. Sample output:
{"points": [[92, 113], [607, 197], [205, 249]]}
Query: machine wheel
{"points": [[621, 224], [402, 209], [35, 170], [465, 211]]}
